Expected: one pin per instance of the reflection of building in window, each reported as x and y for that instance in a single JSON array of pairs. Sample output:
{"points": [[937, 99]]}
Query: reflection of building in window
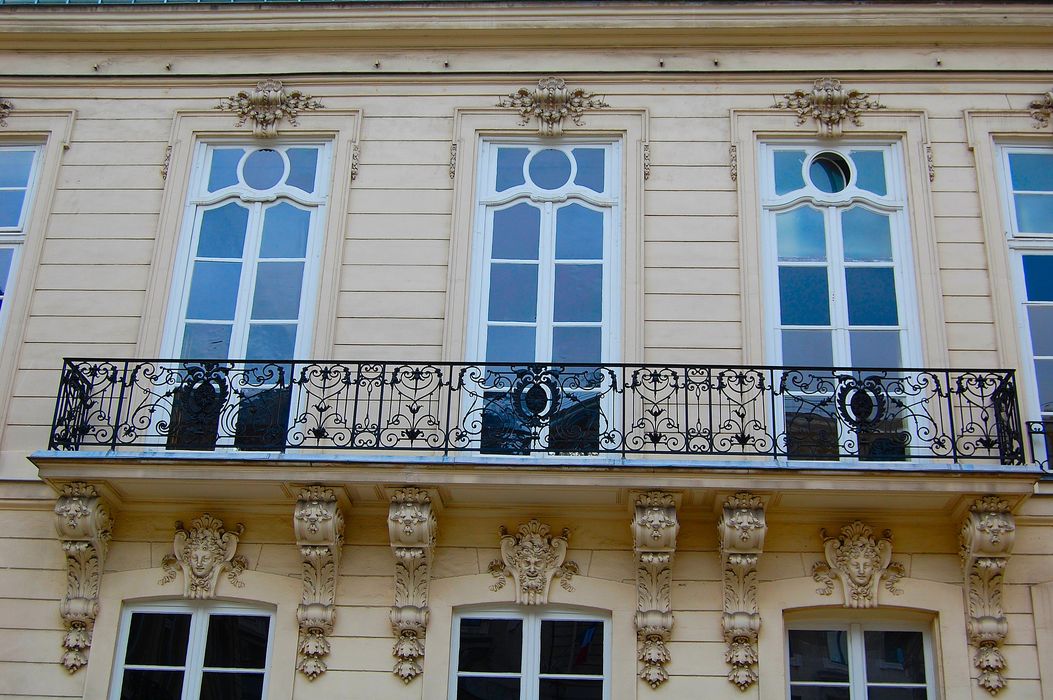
{"points": [[18, 166]]}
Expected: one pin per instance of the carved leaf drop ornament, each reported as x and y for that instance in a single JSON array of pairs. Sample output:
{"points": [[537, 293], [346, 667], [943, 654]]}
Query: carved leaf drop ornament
{"points": [[267, 106], [860, 562], [203, 553], [551, 103], [830, 105], [533, 557]]}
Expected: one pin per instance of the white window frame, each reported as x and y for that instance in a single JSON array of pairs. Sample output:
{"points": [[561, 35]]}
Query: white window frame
{"points": [[200, 612], [529, 672], [13, 238], [200, 200], [489, 200], [894, 203], [855, 628]]}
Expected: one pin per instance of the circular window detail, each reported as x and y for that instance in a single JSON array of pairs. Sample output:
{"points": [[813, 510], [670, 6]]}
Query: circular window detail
{"points": [[263, 169], [550, 169], [829, 172]]}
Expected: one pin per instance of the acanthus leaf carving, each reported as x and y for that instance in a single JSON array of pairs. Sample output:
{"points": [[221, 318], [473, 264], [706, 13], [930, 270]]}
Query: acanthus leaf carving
{"points": [[860, 562], [412, 528], [318, 524], [203, 553], [267, 105], [1041, 110], [551, 103], [986, 537], [533, 557], [655, 527], [83, 522], [741, 528], [830, 105]]}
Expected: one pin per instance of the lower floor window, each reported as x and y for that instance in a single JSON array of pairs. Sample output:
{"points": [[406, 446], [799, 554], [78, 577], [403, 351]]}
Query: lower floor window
{"points": [[193, 652], [856, 661], [544, 655]]}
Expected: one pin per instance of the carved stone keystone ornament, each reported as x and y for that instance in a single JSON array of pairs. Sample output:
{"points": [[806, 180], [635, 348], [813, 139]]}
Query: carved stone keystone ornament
{"points": [[83, 522], [1041, 110], [267, 105], [533, 557], [860, 563], [551, 102], [986, 543], [203, 553], [5, 110], [830, 105], [411, 528], [318, 525], [741, 529], [654, 527]]}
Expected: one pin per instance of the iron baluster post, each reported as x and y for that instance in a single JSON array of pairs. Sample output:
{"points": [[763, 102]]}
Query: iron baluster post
{"points": [[950, 413], [120, 406]]}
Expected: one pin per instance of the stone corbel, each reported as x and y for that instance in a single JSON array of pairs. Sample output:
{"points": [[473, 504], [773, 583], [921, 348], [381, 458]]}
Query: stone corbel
{"points": [[830, 105], [5, 110], [267, 105], [318, 525], [860, 562], [986, 543], [203, 553], [741, 529], [551, 102], [532, 558], [411, 528], [1041, 110], [654, 527], [83, 522]]}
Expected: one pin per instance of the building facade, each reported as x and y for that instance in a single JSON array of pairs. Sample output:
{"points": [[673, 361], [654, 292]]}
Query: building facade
{"points": [[526, 350]]}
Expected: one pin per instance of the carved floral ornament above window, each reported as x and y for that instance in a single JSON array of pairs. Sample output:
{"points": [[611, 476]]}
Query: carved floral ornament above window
{"points": [[551, 102], [1042, 110], [267, 105], [5, 110], [830, 105]]}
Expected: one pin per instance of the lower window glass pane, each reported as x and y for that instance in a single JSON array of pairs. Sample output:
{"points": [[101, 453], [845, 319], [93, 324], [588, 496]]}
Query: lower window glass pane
{"points": [[152, 685], [487, 689], [552, 689], [819, 655], [231, 686], [237, 641], [818, 692], [895, 657], [572, 646], [896, 694]]}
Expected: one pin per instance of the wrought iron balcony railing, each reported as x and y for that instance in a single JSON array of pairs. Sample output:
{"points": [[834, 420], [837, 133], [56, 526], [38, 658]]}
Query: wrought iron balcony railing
{"points": [[813, 413]]}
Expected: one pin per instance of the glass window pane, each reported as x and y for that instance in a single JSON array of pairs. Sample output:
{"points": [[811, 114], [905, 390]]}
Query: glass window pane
{"points": [[829, 172], [549, 169], [1038, 277], [271, 341], [513, 292], [572, 647], [510, 167], [213, 290], [579, 233], [804, 296], [1034, 213], [223, 171], [15, 167], [1032, 171], [894, 657], [578, 293], [575, 344], [487, 689], [206, 341], [277, 294], [1044, 378], [285, 232], [870, 171], [875, 348], [801, 234], [552, 689], [223, 232], [155, 685], [6, 254], [807, 348], [789, 167], [818, 692], [303, 165], [231, 686], [590, 168], [516, 233], [871, 296], [237, 641], [867, 235], [510, 343], [11, 206], [490, 645], [1040, 320], [819, 655], [157, 639], [896, 693], [263, 169]]}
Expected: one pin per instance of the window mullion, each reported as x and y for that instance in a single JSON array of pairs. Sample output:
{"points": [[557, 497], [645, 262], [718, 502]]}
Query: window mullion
{"points": [[546, 283], [530, 666], [857, 667], [250, 256], [195, 654], [838, 287]]}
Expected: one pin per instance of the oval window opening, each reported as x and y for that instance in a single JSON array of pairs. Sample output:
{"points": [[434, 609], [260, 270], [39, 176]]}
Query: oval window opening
{"points": [[829, 172], [263, 169]]}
